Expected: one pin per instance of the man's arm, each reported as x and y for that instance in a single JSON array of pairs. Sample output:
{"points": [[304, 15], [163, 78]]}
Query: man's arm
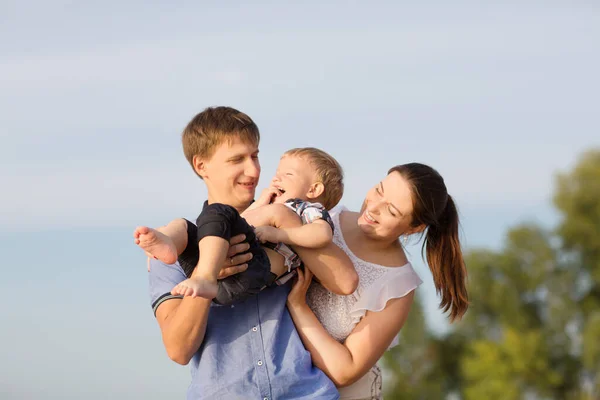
{"points": [[183, 325], [183, 321]]}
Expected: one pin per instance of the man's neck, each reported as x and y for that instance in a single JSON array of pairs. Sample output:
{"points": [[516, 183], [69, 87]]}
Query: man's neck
{"points": [[238, 207]]}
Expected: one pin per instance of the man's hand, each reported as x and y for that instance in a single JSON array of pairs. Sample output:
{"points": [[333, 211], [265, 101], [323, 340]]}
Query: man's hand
{"points": [[268, 234], [237, 258]]}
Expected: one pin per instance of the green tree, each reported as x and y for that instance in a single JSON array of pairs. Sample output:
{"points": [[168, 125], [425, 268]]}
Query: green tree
{"points": [[578, 199], [517, 343], [412, 366]]}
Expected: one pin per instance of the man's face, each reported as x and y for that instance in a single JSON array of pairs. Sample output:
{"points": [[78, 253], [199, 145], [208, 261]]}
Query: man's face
{"points": [[231, 174]]}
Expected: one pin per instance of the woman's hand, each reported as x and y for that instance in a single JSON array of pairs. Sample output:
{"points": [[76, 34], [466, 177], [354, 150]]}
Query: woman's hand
{"points": [[297, 296], [237, 258]]}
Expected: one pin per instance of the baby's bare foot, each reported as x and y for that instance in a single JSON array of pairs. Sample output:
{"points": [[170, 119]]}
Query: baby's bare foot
{"points": [[156, 244], [196, 287]]}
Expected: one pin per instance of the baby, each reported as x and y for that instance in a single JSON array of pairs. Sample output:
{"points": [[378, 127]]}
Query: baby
{"points": [[292, 211]]}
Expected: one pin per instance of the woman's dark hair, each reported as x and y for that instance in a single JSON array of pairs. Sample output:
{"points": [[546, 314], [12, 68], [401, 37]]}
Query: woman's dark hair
{"points": [[434, 208]]}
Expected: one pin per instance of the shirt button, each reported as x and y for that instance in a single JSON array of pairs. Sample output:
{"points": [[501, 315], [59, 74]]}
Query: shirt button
{"points": [[254, 329], [259, 362], [266, 398]]}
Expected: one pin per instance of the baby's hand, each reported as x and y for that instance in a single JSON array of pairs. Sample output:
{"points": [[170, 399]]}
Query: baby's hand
{"points": [[267, 196], [267, 234]]}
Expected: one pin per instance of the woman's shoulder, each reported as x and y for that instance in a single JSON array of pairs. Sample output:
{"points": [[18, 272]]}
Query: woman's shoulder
{"points": [[393, 283], [397, 256], [337, 210], [342, 212], [388, 258]]}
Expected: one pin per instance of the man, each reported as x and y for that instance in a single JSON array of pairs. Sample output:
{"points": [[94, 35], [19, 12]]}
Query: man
{"points": [[249, 350]]}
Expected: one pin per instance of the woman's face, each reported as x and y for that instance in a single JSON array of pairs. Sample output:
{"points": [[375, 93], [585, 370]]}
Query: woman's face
{"points": [[386, 212]]}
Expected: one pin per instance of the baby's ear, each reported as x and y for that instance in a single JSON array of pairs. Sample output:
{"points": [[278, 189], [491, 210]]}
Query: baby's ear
{"points": [[315, 190]]}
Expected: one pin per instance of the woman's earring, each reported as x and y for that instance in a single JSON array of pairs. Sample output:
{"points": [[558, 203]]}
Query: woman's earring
{"points": [[404, 239]]}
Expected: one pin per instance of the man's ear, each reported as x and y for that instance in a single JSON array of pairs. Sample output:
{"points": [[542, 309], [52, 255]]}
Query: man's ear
{"points": [[315, 190], [199, 166]]}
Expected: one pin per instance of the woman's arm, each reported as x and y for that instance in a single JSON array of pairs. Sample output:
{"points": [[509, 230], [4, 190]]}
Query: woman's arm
{"points": [[346, 363], [330, 264], [332, 267]]}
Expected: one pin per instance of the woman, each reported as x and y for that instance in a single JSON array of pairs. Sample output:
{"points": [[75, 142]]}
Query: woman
{"points": [[347, 335]]}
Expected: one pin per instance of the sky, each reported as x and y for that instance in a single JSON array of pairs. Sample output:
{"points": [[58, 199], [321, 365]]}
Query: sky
{"points": [[499, 98]]}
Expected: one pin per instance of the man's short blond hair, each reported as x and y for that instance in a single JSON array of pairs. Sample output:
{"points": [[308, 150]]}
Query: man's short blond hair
{"points": [[212, 127], [329, 173]]}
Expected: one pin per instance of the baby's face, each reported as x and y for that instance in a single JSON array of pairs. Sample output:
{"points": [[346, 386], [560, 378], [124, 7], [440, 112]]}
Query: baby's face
{"points": [[294, 177]]}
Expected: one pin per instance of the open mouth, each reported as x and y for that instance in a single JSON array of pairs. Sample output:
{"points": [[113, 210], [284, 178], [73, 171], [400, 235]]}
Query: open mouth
{"points": [[281, 191], [369, 218]]}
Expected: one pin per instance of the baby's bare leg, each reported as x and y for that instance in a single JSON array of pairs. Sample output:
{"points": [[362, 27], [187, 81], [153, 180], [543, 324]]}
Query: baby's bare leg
{"points": [[281, 217], [176, 230], [203, 282], [164, 243], [196, 287]]}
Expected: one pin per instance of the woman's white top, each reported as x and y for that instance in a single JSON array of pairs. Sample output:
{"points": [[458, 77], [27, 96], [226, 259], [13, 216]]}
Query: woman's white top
{"points": [[340, 314]]}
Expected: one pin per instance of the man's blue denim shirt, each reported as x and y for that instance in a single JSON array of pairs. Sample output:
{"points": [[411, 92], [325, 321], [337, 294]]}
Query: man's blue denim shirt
{"points": [[251, 350]]}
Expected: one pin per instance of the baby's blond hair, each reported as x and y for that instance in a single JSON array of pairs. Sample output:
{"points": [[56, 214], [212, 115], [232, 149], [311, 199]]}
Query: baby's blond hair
{"points": [[329, 173]]}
